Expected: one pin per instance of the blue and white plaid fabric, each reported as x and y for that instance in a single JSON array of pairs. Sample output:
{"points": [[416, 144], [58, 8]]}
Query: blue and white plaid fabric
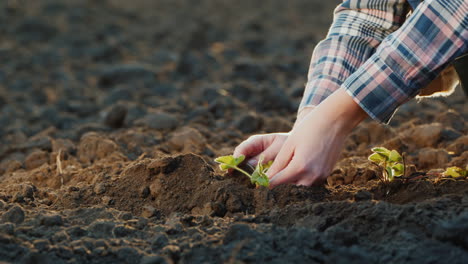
{"points": [[382, 57]]}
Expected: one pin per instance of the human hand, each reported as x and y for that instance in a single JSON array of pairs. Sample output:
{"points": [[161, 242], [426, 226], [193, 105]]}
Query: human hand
{"points": [[267, 145], [314, 145]]}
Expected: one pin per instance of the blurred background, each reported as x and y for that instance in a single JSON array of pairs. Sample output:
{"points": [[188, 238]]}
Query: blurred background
{"points": [[227, 69], [63, 63], [77, 66]]}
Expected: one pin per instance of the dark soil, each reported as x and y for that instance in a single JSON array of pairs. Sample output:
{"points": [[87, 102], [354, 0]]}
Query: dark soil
{"points": [[112, 112]]}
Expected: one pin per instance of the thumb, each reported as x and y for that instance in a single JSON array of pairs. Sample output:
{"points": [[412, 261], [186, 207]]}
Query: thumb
{"points": [[268, 154], [253, 146], [289, 174]]}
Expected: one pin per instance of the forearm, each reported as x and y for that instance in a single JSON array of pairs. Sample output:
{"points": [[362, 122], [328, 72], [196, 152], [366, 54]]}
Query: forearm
{"points": [[357, 30]]}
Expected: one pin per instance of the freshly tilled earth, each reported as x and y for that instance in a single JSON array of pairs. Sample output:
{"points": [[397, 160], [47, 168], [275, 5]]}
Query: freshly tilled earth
{"points": [[113, 111]]}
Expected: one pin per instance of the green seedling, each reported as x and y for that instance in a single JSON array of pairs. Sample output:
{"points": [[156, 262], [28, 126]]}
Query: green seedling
{"points": [[391, 162], [258, 176], [455, 172]]}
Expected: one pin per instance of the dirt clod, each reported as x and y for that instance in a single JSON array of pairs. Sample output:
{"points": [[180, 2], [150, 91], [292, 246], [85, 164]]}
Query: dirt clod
{"points": [[36, 159], [115, 117], [14, 215], [92, 147]]}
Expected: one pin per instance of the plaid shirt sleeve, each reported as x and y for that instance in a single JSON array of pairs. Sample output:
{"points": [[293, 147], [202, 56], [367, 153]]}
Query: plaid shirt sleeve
{"points": [[358, 28], [408, 59]]}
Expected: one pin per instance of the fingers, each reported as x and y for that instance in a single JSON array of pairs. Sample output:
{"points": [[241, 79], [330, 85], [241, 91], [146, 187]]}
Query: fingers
{"points": [[303, 182], [257, 144], [282, 160], [269, 153], [310, 180], [289, 174], [250, 147], [297, 173]]}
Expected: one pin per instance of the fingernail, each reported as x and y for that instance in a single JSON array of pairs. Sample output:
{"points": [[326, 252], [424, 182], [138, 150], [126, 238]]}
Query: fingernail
{"points": [[252, 163]]}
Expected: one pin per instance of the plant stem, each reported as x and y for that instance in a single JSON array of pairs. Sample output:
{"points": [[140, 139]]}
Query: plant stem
{"points": [[385, 172], [240, 170]]}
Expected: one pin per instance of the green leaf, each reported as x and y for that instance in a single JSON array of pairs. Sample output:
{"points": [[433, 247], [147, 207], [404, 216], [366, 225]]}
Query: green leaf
{"points": [[228, 162], [260, 179], [395, 156], [381, 150], [454, 172], [390, 161], [377, 158], [398, 170]]}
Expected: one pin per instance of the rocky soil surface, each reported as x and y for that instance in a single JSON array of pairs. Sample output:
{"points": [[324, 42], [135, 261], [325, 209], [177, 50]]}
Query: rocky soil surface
{"points": [[112, 112]]}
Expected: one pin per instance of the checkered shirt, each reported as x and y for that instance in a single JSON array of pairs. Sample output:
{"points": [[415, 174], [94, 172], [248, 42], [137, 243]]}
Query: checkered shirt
{"points": [[383, 53]]}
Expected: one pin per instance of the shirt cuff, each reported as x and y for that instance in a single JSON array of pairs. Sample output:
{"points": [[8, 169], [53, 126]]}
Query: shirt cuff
{"points": [[378, 89], [318, 90]]}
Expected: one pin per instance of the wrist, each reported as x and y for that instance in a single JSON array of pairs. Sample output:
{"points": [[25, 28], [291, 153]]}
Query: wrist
{"points": [[303, 112], [341, 109]]}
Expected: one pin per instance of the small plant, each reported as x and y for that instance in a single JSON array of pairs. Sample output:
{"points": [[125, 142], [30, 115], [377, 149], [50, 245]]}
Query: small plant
{"points": [[390, 160], [455, 172], [258, 176]]}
